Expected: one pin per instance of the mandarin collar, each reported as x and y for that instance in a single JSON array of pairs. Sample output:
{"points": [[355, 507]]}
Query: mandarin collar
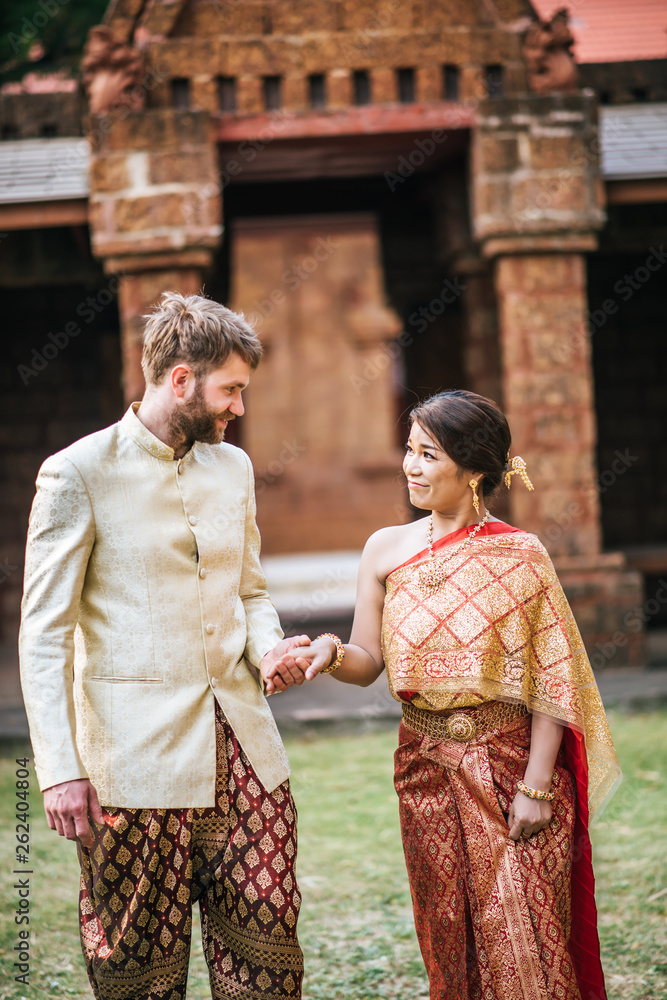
{"points": [[133, 427]]}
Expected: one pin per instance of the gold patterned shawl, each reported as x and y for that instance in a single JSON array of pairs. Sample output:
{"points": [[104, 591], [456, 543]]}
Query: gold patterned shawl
{"points": [[498, 627]]}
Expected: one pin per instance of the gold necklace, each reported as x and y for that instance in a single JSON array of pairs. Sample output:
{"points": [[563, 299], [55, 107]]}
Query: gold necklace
{"points": [[430, 574]]}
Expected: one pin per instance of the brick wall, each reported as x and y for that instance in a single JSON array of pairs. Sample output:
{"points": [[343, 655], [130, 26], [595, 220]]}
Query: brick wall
{"points": [[605, 596], [548, 391], [154, 184], [294, 39], [536, 173], [36, 116]]}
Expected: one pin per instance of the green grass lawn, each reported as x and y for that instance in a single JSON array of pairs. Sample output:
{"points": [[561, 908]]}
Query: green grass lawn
{"points": [[356, 923]]}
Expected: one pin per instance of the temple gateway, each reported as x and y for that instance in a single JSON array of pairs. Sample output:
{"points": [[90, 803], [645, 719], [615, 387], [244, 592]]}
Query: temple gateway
{"points": [[405, 196]]}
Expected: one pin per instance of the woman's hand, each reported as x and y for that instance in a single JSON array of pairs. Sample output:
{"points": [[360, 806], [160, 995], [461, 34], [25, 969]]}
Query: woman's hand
{"points": [[310, 660], [528, 816], [295, 660]]}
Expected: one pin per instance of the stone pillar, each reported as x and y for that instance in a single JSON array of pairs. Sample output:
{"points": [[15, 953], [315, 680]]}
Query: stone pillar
{"points": [[155, 213], [536, 207], [481, 349], [137, 294], [548, 391], [481, 345]]}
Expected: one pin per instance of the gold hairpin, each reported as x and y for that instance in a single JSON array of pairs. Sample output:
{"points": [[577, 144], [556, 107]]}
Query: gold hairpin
{"points": [[518, 465]]}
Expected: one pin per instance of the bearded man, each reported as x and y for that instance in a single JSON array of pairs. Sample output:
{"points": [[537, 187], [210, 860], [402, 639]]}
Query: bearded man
{"points": [[145, 621]]}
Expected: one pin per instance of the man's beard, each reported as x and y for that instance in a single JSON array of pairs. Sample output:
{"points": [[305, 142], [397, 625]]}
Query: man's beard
{"points": [[196, 422]]}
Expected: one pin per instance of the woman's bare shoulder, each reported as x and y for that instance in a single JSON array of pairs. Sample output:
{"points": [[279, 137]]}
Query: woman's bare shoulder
{"points": [[395, 534], [389, 547]]}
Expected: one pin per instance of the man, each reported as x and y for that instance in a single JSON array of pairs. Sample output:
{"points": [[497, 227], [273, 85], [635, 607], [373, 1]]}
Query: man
{"points": [[144, 615]]}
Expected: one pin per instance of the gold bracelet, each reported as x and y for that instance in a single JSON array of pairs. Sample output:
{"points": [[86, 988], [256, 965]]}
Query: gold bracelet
{"points": [[535, 793], [340, 652]]}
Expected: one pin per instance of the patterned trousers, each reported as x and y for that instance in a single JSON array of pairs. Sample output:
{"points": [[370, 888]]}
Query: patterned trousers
{"points": [[147, 867], [492, 916]]}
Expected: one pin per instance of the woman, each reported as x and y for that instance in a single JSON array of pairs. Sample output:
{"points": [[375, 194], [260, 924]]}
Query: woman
{"points": [[504, 750]]}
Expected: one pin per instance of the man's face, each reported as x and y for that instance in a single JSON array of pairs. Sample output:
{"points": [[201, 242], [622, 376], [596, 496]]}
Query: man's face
{"points": [[211, 402]]}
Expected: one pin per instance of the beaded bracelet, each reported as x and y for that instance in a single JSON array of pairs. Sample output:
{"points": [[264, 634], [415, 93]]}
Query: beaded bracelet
{"points": [[535, 793], [340, 652]]}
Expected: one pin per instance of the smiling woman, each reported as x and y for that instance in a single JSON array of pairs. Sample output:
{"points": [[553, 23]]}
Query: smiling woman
{"points": [[504, 750]]}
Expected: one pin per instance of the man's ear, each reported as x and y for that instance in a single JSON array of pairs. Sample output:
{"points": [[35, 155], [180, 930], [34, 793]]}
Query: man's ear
{"points": [[181, 379]]}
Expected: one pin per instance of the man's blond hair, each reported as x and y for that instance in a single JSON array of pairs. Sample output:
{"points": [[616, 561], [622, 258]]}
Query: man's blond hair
{"points": [[197, 331]]}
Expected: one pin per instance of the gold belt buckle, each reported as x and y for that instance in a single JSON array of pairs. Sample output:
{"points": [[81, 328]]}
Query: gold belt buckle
{"points": [[461, 728]]}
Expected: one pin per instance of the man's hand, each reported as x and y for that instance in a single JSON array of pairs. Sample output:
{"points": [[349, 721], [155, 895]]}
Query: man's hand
{"points": [[304, 662], [279, 669], [69, 807]]}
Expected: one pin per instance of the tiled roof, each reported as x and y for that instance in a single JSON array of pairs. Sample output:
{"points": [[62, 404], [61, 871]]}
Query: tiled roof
{"points": [[43, 169], [633, 138], [613, 30]]}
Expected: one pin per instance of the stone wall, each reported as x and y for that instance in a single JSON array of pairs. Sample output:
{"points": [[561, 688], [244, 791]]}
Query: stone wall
{"points": [[37, 116], [606, 596], [56, 387], [626, 82]]}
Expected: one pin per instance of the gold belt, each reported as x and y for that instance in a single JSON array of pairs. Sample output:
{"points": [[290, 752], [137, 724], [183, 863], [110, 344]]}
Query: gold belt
{"points": [[465, 725]]}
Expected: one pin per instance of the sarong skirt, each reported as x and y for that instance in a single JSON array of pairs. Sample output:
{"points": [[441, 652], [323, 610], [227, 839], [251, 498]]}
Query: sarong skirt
{"points": [[147, 867], [492, 915]]}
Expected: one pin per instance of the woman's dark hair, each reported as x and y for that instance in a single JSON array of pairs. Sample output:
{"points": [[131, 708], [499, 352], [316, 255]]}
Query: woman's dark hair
{"points": [[471, 429]]}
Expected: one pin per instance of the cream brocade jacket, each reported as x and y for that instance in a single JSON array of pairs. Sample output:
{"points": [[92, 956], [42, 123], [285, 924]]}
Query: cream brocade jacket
{"points": [[144, 597]]}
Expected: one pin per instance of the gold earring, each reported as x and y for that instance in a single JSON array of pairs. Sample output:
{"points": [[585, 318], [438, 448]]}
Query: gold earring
{"points": [[475, 499], [517, 465]]}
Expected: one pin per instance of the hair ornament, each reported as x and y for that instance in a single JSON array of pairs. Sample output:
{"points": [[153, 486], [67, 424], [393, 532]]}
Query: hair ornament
{"points": [[517, 465]]}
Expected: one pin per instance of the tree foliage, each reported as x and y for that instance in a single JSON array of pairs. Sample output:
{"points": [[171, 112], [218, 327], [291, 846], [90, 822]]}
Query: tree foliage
{"points": [[43, 36]]}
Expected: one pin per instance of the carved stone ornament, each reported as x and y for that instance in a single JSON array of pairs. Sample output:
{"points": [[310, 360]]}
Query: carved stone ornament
{"points": [[549, 59], [111, 73]]}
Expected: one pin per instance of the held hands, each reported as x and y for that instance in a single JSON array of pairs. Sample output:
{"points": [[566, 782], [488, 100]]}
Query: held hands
{"points": [[69, 808], [527, 816], [283, 666], [279, 668]]}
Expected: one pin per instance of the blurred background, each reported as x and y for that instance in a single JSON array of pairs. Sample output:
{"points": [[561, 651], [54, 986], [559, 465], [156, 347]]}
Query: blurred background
{"points": [[404, 196]]}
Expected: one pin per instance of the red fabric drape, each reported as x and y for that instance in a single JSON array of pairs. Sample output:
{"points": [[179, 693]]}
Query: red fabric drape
{"points": [[584, 942]]}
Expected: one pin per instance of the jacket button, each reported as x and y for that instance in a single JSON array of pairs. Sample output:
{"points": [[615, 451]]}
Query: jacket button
{"points": [[214, 682], [192, 519], [202, 572], [180, 468], [210, 629]]}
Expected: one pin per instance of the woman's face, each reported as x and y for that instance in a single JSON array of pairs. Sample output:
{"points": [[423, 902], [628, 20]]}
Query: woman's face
{"points": [[435, 481]]}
